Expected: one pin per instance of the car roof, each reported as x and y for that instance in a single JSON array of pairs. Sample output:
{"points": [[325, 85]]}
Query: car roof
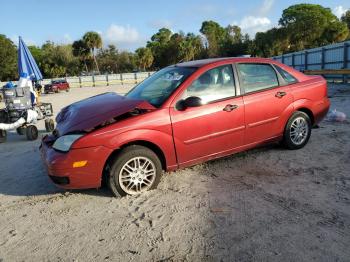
{"points": [[204, 62]]}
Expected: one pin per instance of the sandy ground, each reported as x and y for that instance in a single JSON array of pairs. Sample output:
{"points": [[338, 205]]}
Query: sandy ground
{"points": [[267, 204]]}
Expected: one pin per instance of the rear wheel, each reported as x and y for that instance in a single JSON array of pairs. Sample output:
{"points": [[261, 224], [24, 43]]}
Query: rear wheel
{"points": [[68, 89], [297, 131], [49, 125], [3, 116], [135, 170], [3, 136], [32, 132]]}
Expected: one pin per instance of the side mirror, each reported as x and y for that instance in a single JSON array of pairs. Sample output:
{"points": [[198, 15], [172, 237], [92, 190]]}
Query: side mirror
{"points": [[192, 101]]}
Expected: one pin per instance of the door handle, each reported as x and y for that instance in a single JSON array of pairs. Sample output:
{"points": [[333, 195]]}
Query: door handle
{"points": [[280, 94], [229, 108]]}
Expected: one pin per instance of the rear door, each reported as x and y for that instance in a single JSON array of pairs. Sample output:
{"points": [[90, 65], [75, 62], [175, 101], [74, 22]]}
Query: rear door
{"points": [[66, 85], [266, 99], [216, 127], [63, 85]]}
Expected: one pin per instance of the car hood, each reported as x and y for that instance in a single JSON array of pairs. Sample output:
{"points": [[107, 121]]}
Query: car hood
{"points": [[94, 111]]}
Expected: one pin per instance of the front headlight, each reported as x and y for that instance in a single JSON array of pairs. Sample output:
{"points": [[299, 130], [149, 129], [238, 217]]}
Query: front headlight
{"points": [[64, 143]]}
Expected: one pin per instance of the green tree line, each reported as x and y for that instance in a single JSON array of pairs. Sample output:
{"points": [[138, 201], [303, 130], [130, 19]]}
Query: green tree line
{"points": [[300, 27]]}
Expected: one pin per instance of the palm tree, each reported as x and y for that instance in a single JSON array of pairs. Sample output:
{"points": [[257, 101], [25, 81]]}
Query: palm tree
{"points": [[82, 51], [93, 40], [190, 47], [145, 57]]}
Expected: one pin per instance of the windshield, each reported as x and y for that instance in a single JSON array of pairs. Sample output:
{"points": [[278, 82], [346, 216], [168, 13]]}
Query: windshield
{"points": [[158, 87]]}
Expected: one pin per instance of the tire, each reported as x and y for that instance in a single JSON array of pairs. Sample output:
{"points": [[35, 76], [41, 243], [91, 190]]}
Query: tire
{"points": [[3, 116], [49, 125], [134, 182], [3, 136], [68, 89], [32, 133], [297, 131], [21, 130]]}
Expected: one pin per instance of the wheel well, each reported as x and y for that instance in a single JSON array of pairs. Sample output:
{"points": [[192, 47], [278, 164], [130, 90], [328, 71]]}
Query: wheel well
{"points": [[309, 113], [147, 144]]}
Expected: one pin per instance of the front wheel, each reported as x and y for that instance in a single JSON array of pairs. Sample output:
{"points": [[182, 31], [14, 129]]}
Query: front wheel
{"points": [[32, 132], [49, 125], [136, 169], [297, 131]]}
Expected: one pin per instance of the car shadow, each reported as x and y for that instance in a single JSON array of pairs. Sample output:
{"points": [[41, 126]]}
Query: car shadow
{"points": [[23, 174]]}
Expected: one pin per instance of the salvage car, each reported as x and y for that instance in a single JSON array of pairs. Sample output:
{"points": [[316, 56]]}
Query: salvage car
{"points": [[180, 116], [56, 86]]}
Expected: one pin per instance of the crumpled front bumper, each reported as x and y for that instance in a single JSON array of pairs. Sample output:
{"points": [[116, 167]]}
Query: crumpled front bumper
{"points": [[60, 168]]}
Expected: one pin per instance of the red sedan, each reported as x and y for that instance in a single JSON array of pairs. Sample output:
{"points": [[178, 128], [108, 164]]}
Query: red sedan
{"points": [[57, 86], [180, 116]]}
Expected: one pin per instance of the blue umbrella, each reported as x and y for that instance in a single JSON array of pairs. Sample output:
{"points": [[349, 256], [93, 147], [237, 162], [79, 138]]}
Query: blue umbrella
{"points": [[26, 63]]}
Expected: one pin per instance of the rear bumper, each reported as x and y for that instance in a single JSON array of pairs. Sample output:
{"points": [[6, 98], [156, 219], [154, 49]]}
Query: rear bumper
{"points": [[321, 109], [60, 166]]}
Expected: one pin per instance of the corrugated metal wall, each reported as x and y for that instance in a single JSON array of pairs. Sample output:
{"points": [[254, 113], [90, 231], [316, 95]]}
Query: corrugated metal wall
{"points": [[335, 56]]}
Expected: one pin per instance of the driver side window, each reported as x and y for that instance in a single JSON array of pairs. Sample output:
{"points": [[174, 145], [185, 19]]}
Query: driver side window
{"points": [[215, 84]]}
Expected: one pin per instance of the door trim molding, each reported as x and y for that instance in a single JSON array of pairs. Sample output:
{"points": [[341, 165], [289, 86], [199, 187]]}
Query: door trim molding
{"points": [[213, 135], [266, 121]]}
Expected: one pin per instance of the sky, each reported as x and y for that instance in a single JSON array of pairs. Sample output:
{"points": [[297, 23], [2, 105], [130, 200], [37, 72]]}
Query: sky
{"points": [[130, 24]]}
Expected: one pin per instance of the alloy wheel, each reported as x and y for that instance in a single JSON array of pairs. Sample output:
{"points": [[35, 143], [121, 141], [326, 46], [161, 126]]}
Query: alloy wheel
{"points": [[299, 130], [137, 175]]}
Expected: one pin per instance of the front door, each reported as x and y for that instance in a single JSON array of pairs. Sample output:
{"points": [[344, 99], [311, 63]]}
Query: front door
{"points": [[214, 128]]}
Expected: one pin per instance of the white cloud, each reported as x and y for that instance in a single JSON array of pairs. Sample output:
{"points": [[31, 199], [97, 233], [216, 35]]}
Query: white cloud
{"points": [[266, 7], [253, 24], [27, 41], [257, 20], [122, 36], [67, 39], [339, 10]]}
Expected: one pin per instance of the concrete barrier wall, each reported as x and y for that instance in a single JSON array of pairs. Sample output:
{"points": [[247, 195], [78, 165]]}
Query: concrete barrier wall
{"points": [[100, 80]]}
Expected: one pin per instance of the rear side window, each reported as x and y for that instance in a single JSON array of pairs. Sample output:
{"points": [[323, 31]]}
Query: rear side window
{"points": [[215, 84], [256, 77], [286, 76]]}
